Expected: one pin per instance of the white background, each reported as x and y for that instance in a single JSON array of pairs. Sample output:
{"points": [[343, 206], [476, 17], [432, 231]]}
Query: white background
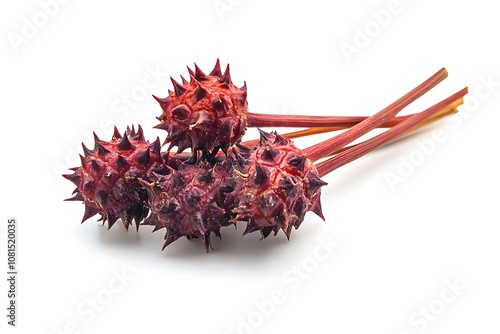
{"points": [[397, 245]]}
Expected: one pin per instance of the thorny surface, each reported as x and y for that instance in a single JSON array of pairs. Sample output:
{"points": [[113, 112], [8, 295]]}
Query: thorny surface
{"points": [[270, 183]]}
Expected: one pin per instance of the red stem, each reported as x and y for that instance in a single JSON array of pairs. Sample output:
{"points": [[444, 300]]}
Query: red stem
{"points": [[450, 109], [301, 121], [359, 150], [318, 130], [326, 147], [311, 121]]}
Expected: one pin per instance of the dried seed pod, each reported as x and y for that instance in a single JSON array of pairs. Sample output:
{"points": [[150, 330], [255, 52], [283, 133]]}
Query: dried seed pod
{"points": [[206, 114], [270, 186], [191, 201], [108, 180], [276, 185]]}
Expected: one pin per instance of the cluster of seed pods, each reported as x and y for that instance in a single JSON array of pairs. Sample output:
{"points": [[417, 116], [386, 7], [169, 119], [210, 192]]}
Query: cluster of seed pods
{"points": [[270, 185]]}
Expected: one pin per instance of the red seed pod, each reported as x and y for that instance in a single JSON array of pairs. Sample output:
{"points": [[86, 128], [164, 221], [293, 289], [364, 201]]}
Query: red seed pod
{"points": [[191, 201], [276, 185], [206, 114], [108, 180], [270, 186]]}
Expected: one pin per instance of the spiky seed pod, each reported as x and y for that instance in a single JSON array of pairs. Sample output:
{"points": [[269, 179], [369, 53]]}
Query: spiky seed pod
{"points": [[276, 185], [195, 108], [108, 180], [191, 201]]}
